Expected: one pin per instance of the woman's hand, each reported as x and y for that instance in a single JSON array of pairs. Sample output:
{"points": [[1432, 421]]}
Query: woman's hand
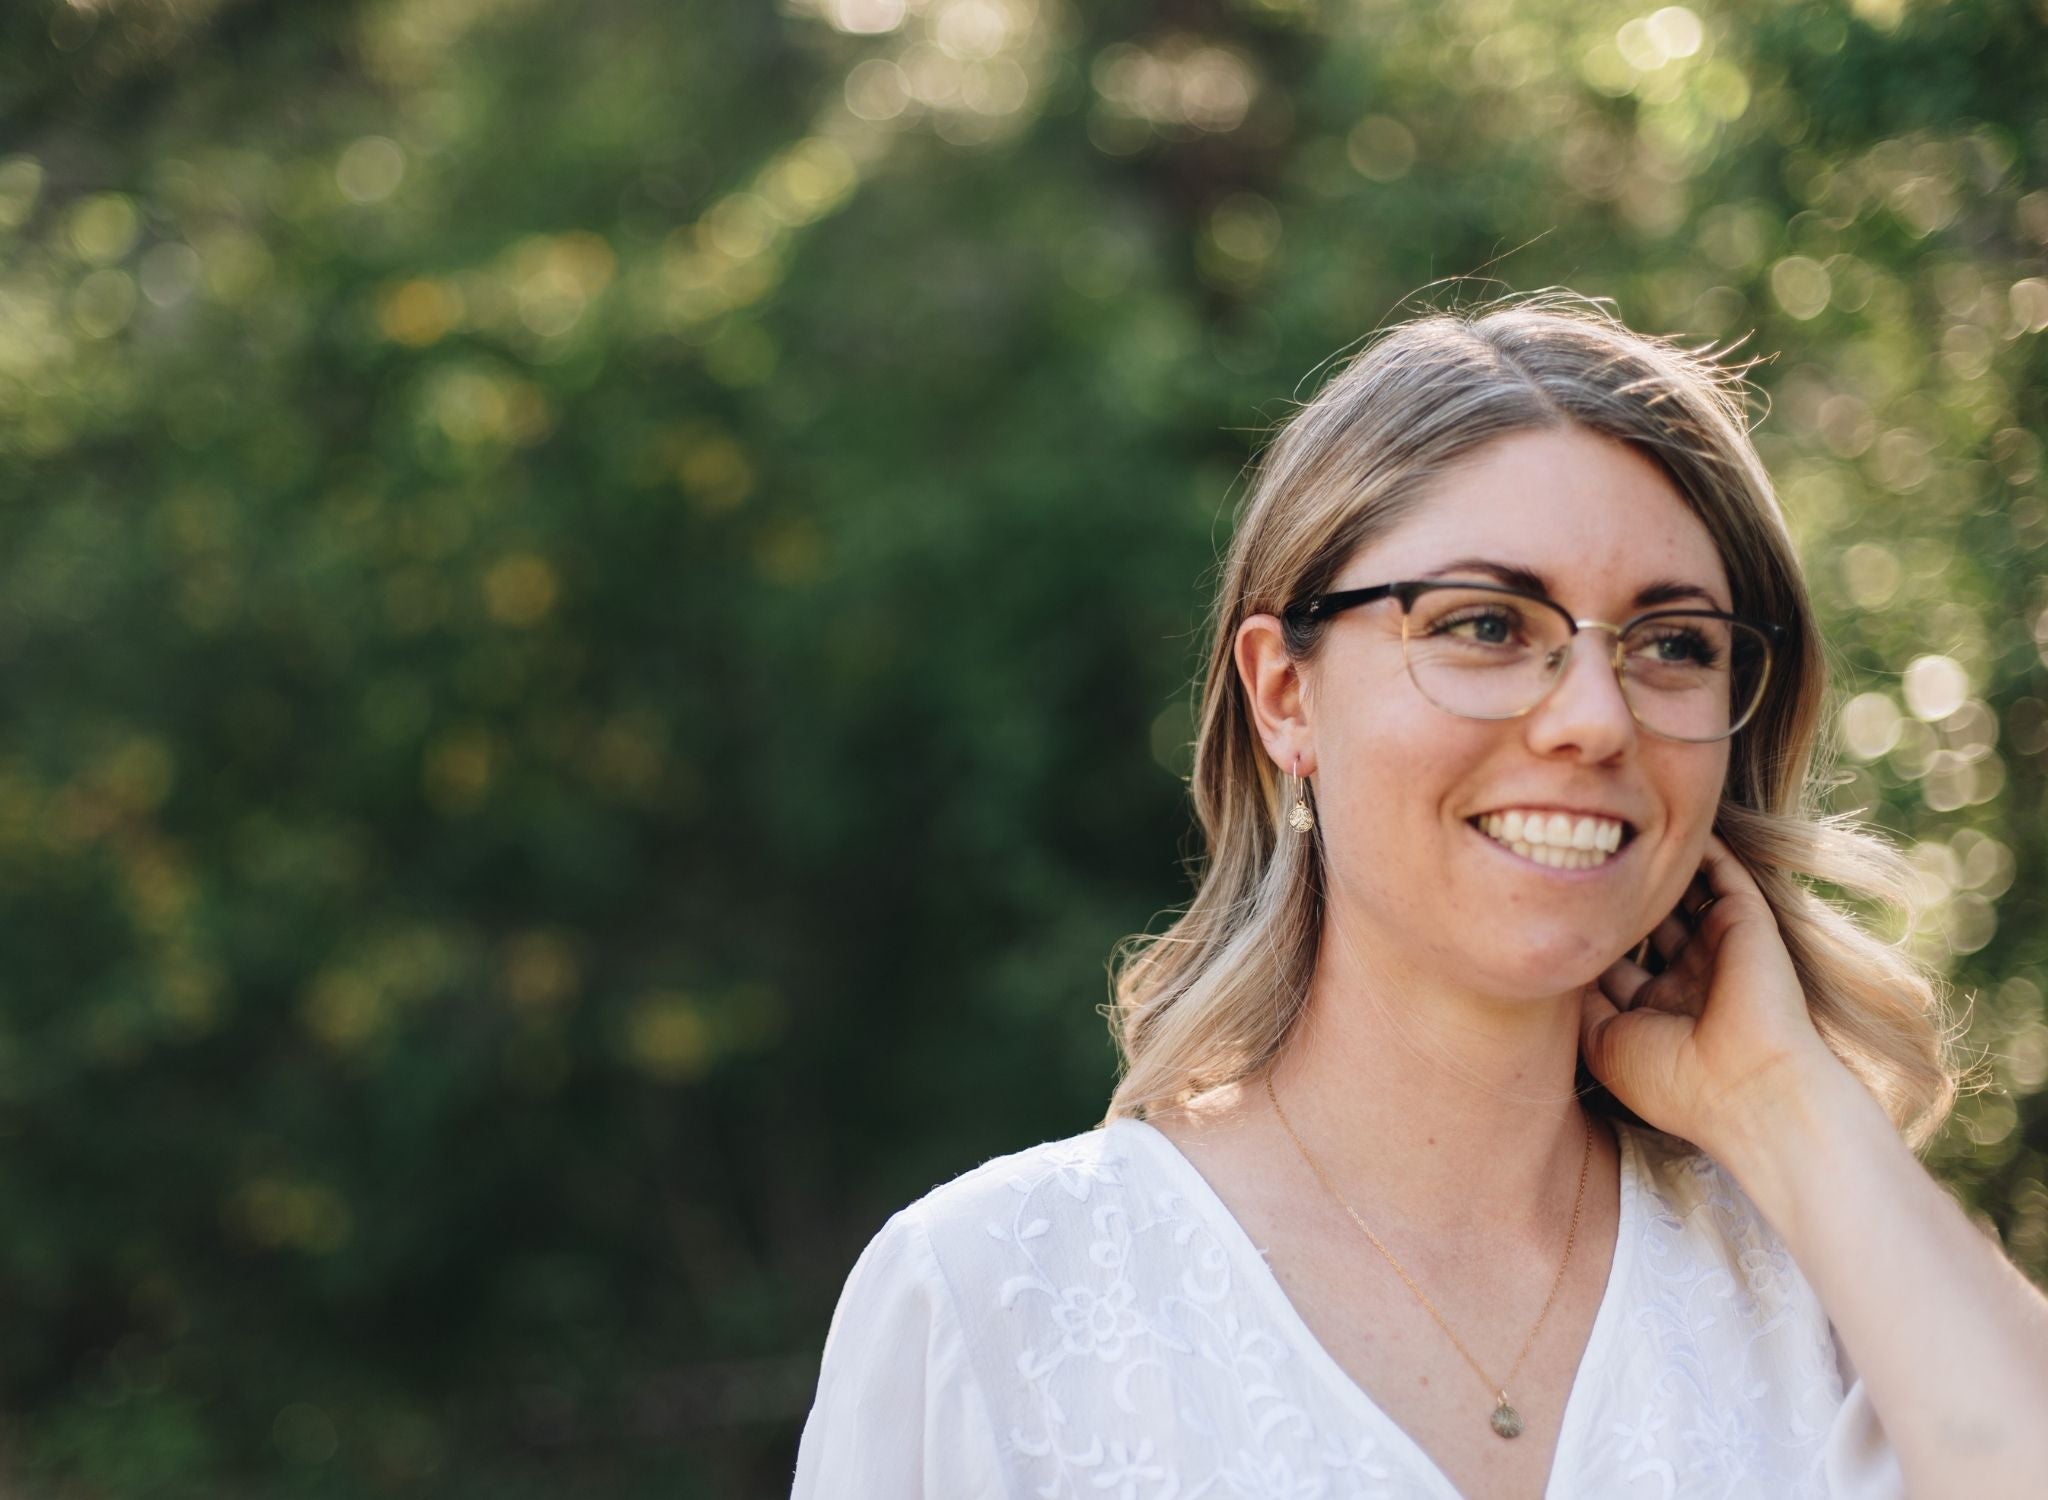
{"points": [[1689, 1049], [1948, 1338]]}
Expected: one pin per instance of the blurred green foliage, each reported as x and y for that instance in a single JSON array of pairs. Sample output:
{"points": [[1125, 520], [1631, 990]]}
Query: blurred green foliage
{"points": [[598, 604]]}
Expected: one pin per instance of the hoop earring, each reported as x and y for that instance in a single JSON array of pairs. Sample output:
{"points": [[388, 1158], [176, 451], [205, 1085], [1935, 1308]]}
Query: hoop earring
{"points": [[1301, 819]]}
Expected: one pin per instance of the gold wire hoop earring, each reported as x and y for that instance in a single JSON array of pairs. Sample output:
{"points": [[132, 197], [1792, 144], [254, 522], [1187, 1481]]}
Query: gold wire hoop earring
{"points": [[1301, 820]]}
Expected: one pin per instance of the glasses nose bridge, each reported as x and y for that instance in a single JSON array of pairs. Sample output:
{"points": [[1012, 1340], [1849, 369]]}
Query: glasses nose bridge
{"points": [[1562, 663], [1618, 633]]}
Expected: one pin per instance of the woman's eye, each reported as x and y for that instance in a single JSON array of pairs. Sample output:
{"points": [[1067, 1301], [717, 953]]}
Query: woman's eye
{"points": [[1494, 626], [1685, 646]]}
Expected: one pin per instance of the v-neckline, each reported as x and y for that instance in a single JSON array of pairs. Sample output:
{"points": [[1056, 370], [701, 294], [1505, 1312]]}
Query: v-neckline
{"points": [[1260, 1273]]}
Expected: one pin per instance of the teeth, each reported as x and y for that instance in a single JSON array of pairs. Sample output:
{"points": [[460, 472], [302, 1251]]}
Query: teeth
{"points": [[1554, 839]]}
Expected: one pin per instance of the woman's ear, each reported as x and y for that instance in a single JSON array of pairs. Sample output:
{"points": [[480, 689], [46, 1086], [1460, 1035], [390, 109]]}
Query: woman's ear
{"points": [[1276, 688]]}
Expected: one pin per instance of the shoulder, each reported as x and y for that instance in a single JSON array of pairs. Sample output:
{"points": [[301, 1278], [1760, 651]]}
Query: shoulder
{"points": [[1022, 1244], [1028, 1193], [1031, 1192], [940, 1260]]}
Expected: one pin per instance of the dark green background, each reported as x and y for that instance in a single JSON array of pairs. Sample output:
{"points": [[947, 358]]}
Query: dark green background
{"points": [[598, 601]]}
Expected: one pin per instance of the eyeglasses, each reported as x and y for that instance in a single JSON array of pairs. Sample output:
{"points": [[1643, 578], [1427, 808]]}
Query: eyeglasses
{"points": [[1487, 651]]}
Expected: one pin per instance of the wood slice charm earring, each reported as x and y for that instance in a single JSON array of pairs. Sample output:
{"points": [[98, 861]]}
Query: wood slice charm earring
{"points": [[1301, 820]]}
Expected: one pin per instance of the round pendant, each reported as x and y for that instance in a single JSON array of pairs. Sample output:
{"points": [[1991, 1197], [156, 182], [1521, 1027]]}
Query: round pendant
{"points": [[1506, 1420], [1301, 820]]}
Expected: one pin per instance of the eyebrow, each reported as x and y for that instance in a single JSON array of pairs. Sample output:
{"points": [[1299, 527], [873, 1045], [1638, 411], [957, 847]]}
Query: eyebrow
{"points": [[1662, 591]]}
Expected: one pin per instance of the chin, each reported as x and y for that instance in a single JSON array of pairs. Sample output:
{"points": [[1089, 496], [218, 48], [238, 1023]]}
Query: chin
{"points": [[1570, 963]]}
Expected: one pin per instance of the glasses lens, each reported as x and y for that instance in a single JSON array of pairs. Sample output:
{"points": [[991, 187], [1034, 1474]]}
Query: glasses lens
{"points": [[1693, 677], [1480, 653], [1491, 655]]}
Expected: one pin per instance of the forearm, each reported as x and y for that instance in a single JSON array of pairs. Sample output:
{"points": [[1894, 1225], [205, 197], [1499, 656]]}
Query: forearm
{"points": [[1950, 1339]]}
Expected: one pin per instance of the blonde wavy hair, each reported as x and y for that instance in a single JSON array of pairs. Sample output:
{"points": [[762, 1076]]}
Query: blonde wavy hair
{"points": [[1212, 1001]]}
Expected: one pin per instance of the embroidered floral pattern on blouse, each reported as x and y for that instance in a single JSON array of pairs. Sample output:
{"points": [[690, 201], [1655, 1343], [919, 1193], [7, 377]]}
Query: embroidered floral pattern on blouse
{"points": [[1725, 1339], [1128, 1352]]}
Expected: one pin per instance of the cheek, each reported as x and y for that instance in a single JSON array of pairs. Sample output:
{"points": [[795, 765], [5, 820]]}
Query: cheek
{"points": [[1708, 783], [1391, 792], [1694, 802], [1687, 779]]}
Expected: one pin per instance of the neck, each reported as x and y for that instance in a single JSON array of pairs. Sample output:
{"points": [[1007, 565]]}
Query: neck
{"points": [[1440, 1107]]}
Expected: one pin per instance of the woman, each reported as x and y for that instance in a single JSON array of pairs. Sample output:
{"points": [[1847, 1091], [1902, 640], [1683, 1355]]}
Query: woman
{"points": [[1504, 1117]]}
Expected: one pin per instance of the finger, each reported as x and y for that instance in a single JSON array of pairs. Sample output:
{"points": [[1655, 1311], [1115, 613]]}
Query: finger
{"points": [[1726, 876], [1622, 982], [1671, 935], [1620, 1049]]}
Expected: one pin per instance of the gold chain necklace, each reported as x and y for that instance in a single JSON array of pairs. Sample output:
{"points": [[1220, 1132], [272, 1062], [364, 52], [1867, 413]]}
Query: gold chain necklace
{"points": [[1506, 1420]]}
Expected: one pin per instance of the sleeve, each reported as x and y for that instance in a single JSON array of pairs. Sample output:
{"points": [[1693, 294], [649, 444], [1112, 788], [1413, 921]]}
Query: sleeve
{"points": [[899, 1414], [1859, 1459]]}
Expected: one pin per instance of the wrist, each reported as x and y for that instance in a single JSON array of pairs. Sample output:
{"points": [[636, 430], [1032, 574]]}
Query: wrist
{"points": [[1789, 1123]]}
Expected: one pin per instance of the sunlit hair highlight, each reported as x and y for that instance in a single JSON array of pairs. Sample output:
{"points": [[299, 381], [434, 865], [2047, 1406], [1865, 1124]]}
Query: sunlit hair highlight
{"points": [[1212, 1001]]}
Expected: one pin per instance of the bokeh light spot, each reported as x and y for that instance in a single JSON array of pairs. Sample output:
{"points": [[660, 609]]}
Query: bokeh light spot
{"points": [[971, 29], [876, 89], [419, 312], [712, 468], [1675, 32], [1800, 285], [520, 590], [668, 1037], [103, 228], [370, 170], [789, 552], [344, 1009], [458, 770], [539, 970], [1736, 236], [21, 182], [1381, 148], [1606, 71], [1723, 90], [864, 17], [1245, 227], [103, 302], [2029, 302], [169, 273], [1180, 81], [1870, 725], [1934, 687], [1872, 573]]}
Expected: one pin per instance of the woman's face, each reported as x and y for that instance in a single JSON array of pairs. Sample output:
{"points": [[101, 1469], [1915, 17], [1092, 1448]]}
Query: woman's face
{"points": [[1398, 779]]}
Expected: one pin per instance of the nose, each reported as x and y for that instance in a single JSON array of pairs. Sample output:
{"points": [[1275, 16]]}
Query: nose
{"points": [[1585, 708]]}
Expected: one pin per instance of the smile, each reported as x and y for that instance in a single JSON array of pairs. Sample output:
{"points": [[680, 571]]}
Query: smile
{"points": [[1555, 841]]}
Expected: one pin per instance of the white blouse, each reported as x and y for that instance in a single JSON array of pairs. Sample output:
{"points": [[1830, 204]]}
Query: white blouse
{"points": [[1085, 1319]]}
